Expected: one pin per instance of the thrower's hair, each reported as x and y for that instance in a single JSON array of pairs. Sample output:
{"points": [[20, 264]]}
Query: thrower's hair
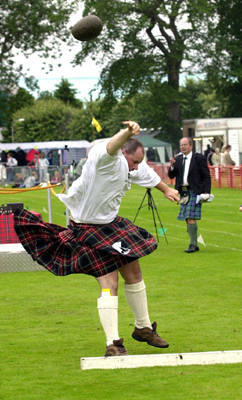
{"points": [[132, 145]]}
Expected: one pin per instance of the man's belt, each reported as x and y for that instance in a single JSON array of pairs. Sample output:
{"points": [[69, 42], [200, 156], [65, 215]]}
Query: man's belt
{"points": [[184, 194]]}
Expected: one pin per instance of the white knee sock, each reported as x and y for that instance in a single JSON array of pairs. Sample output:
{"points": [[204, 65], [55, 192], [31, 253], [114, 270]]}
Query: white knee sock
{"points": [[108, 314], [136, 297]]}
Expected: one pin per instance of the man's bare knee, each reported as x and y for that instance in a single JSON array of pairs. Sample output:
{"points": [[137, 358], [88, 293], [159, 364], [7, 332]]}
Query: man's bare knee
{"points": [[131, 272], [109, 281], [190, 221]]}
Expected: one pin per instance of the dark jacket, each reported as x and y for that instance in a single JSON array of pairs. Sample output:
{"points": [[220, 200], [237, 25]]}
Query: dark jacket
{"points": [[198, 175]]}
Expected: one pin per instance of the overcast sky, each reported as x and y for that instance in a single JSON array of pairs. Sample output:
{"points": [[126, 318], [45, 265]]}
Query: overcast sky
{"points": [[82, 78]]}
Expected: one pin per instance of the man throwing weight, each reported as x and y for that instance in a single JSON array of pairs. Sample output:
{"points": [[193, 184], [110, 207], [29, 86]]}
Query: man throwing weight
{"points": [[98, 242]]}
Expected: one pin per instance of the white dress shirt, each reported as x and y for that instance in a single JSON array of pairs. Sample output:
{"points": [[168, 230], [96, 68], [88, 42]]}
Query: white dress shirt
{"points": [[187, 166]]}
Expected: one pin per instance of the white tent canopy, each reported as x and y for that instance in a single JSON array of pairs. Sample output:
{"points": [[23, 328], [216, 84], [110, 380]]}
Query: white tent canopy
{"points": [[68, 150], [58, 144]]}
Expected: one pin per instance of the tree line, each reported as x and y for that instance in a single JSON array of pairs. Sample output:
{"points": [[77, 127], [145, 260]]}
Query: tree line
{"points": [[146, 48], [60, 115]]}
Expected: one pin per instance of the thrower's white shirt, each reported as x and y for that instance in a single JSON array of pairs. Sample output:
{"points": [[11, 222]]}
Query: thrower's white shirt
{"points": [[95, 197]]}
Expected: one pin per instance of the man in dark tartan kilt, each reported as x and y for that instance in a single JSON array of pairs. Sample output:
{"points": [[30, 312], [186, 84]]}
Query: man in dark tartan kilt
{"points": [[192, 179], [98, 242]]}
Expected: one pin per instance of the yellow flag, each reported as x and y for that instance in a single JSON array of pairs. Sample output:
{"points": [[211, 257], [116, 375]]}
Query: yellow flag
{"points": [[96, 124]]}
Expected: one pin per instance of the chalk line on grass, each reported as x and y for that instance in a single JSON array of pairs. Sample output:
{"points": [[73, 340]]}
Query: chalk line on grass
{"points": [[181, 226], [211, 244], [162, 360], [209, 230]]}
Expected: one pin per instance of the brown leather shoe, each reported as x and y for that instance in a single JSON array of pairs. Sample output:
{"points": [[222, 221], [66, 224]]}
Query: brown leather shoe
{"points": [[116, 349], [150, 336]]}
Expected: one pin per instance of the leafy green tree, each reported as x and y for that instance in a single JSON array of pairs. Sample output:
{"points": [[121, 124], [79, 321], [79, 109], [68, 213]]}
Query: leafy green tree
{"points": [[52, 119], [145, 42], [21, 99], [152, 107], [45, 95], [66, 93], [149, 107], [198, 100], [9, 104], [45, 120], [4, 108], [82, 122], [111, 119], [31, 26], [225, 68]]}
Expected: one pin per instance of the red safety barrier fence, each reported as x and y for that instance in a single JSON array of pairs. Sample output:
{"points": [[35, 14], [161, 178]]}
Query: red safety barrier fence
{"points": [[222, 177]]}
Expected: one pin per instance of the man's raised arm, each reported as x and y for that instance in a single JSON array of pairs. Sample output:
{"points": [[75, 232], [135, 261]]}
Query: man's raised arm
{"points": [[120, 138]]}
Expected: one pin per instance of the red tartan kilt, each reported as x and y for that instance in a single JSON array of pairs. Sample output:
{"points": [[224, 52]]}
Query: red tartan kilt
{"points": [[82, 248]]}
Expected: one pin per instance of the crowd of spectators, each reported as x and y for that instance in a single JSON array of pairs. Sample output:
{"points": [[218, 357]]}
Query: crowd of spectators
{"points": [[219, 157], [27, 169], [21, 158]]}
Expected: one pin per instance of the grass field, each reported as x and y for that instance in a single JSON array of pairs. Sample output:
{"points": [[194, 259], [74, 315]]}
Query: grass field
{"points": [[47, 323]]}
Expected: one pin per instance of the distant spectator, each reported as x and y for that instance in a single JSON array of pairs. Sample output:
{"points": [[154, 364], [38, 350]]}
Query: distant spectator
{"points": [[43, 167], [31, 157], [3, 157], [207, 151], [29, 181], [50, 157], [227, 158], [10, 164], [216, 161], [21, 157], [216, 157], [3, 175], [210, 155], [222, 156], [150, 154], [13, 153], [55, 158], [11, 161], [18, 179], [56, 177]]}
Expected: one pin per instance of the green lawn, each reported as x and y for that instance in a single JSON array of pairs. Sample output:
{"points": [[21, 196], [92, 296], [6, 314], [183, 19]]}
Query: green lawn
{"points": [[47, 323]]}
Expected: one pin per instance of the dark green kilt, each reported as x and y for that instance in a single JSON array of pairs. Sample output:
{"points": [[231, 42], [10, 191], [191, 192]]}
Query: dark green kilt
{"points": [[191, 209]]}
